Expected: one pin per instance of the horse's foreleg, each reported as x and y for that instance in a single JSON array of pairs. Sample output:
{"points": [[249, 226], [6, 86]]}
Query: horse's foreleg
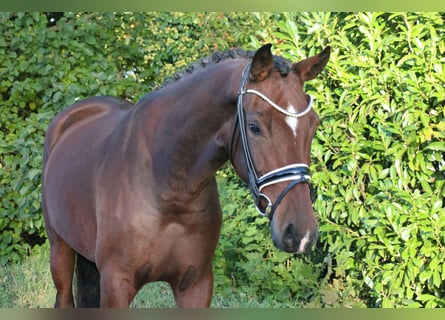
{"points": [[198, 295], [117, 289], [62, 269]]}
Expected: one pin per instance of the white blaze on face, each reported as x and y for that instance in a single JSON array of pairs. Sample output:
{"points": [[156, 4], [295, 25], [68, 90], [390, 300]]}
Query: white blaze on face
{"points": [[292, 122]]}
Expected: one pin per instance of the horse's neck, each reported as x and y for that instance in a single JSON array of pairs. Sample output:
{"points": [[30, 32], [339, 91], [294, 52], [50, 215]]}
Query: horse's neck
{"points": [[191, 125]]}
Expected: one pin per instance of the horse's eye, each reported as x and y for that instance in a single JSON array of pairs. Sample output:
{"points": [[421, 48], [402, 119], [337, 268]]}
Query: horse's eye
{"points": [[254, 128]]}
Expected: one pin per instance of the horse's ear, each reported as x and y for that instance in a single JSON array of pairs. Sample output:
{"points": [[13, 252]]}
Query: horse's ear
{"points": [[262, 63], [309, 68]]}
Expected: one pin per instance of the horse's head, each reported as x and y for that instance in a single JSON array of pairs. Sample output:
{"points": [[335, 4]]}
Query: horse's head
{"points": [[277, 125]]}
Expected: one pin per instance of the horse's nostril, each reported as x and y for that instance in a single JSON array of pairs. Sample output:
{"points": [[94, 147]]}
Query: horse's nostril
{"points": [[290, 236]]}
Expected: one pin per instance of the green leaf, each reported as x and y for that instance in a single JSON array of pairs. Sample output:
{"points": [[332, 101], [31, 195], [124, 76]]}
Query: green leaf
{"points": [[436, 146]]}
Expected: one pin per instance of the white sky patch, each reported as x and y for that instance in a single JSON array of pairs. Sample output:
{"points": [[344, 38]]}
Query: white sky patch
{"points": [[292, 122]]}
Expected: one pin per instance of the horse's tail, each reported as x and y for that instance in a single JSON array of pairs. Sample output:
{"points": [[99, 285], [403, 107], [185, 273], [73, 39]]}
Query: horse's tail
{"points": [[88, 283]]}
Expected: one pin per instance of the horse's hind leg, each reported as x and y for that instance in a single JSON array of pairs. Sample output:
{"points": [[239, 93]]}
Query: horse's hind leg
{"points": [[62, 269]]}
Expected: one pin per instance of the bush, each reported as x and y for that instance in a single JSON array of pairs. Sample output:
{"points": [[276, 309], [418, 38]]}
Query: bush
{"points": [[382, 149]]}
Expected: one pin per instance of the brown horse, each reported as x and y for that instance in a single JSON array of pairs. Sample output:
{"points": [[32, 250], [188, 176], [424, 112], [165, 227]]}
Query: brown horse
{"points": [[130, 189]]}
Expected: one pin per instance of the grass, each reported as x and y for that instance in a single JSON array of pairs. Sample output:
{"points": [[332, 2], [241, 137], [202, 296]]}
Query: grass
{"points": [[28, 284]]}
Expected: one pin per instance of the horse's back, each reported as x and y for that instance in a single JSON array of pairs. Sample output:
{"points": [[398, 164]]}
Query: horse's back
{"points": [[81, 111]]}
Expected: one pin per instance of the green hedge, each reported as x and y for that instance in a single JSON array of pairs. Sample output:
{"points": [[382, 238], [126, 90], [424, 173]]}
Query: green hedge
{"points": [[378, 156]]}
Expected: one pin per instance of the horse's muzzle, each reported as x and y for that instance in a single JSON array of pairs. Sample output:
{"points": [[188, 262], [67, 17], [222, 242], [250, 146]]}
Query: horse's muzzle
{"points": [[290, 239]]}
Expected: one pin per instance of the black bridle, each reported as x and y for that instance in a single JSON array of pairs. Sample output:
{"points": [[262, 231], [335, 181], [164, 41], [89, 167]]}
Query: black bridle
{"points": [[295, 173]]}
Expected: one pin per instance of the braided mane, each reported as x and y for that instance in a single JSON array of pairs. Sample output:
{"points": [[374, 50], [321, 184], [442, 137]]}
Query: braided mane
{"points": [[280, 64]]}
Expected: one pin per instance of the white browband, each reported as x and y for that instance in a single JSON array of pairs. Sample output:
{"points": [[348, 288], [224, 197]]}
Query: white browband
{"points": [[280, 109]]}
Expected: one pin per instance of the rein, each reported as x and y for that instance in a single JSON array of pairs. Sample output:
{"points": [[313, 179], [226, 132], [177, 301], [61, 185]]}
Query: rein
{"points": [[296, 173]]}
